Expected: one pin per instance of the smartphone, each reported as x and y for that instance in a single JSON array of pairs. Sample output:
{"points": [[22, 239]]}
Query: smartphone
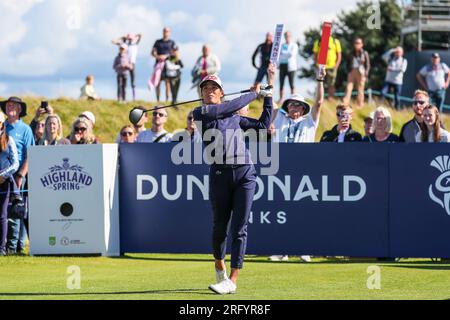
{"points": [[44, 105]]}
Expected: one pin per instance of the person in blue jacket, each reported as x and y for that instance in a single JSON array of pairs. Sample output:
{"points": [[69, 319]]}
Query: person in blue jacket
{"points": [[232, 177], [9, 163]]}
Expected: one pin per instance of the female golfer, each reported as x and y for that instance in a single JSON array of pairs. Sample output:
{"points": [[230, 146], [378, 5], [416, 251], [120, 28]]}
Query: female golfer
{"points": [[232, 178]]}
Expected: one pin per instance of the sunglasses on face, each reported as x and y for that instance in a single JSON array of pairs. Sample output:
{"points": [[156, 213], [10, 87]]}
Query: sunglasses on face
{"points": [[158, 114], [295, 104], [419, 102], [80, 129], [190, 118], [126, 133], [342, 115]]}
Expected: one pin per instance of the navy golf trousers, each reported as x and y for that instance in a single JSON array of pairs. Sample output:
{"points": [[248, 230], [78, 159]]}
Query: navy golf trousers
{"points": [[231, 191]]}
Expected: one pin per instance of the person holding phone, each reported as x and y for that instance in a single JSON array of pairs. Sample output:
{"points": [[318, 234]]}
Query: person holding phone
{"points": [[342, 132]]}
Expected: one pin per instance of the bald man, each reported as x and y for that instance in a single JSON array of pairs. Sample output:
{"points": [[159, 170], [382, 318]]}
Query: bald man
{"points": [[396, 68]]}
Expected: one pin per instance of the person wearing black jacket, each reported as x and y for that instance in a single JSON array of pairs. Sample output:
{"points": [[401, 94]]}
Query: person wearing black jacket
{"points": [[342, 132], [263, 50]]}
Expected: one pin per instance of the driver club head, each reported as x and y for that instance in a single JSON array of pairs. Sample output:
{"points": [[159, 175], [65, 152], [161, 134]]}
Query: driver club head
{"points": [[136, 115]]}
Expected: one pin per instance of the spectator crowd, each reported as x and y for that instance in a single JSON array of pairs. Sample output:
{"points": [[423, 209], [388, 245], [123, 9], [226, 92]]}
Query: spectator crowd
{"points": [[295, 121]]}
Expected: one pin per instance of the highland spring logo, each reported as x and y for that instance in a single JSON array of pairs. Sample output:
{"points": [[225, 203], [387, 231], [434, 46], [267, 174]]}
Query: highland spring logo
{"points": [[442, 184], [66, 177]]}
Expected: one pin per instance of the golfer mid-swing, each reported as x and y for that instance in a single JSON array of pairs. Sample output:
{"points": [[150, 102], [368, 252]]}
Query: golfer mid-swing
{"points": [[232, 180]]}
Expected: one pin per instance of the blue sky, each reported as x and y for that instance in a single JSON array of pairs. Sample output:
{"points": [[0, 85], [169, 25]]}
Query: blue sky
{"points": [[48, 49]]}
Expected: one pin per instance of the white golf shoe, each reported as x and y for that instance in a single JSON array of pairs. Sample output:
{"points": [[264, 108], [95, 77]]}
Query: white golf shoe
{"points": [[224, 287], [305, 258], [279, 258]]}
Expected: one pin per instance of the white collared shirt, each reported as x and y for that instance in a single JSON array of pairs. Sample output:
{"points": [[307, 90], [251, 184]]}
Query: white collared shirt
{"points": [[294, 131]]}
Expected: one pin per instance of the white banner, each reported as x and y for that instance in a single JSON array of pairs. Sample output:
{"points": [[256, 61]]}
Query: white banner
{"points": [[73, 199], [277, 37]]}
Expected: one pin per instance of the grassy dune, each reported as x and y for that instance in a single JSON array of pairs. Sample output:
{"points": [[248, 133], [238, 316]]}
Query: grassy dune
{"points": [[111, 115]]}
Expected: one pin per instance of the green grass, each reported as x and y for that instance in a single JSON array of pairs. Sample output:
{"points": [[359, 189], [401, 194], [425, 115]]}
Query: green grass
{"points": [[111, 116], [181, 276]]}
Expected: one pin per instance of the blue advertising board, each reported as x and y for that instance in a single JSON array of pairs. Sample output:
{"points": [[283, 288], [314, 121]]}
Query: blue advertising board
{"points": [[325, 199], [419, 200]]}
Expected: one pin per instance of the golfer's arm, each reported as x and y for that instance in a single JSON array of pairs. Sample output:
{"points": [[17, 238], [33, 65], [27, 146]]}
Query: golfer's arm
{"points": [[264, 120], [223, 110]]}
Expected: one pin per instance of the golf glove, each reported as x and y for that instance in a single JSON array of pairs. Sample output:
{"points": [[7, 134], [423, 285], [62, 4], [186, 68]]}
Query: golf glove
{"points": [[265, 91]]}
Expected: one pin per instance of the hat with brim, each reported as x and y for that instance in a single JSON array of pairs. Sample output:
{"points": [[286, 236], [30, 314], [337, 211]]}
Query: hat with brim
{"points": [[23, 105], [296, 98], [212, 78]]}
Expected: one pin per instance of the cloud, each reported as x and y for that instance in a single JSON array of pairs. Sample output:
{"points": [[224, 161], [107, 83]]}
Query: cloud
{"points": [[39, 40]]}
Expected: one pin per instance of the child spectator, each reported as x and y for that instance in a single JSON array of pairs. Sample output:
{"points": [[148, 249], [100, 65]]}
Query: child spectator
{"points": [[88, 91]]}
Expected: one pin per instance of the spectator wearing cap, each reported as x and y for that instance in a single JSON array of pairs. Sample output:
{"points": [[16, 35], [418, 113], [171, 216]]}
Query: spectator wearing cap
{"points": [[207, 64], [396, 68], [82, 132], [128, 134], [122, 64], [342, 132], [232, 175], [412, 129], [432, 77], [89, 116], [190, 133], [157, 133], [15, 109], [53, 134], [87, 91], [297, 122], [9, 163], [172, 72], [382, 127], [161, 51], [368, 121], [132, 41], [432, 131]]}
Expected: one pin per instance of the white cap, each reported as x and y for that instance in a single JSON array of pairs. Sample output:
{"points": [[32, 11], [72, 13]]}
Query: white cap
{"points": [[297, 98], [89, 115], [214, 78]]}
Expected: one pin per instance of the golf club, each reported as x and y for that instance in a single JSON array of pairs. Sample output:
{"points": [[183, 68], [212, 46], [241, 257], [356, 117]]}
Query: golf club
{"points": [[137, 112]]}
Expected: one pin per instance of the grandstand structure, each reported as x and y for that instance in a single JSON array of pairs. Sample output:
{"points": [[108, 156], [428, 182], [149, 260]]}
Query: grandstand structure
{"points": [[423, 16]]}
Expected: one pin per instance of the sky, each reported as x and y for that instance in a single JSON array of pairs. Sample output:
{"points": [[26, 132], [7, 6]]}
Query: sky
{"points": [[49, 46]]}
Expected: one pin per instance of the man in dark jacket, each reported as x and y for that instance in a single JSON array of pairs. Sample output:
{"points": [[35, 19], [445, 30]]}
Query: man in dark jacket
{"points": [[342, 132], [411, 130], [263, 50]]}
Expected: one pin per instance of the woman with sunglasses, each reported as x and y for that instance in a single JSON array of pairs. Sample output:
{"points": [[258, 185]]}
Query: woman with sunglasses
{"points": [[53, 134], [9, 163], [432, 131], [82, 132], [128, 134]]}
